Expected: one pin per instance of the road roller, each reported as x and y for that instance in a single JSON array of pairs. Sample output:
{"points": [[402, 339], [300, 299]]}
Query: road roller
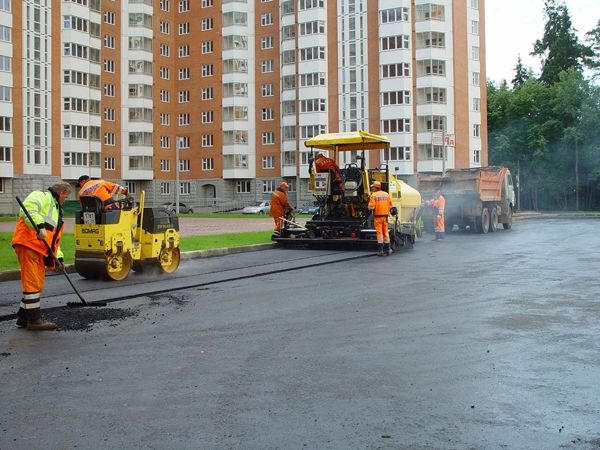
{"points": [[109, 244]]}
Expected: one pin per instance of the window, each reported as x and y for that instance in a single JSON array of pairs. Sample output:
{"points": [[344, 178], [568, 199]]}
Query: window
{"points": [[165, 5], [184, 73], [206, 24], [5, 154], [207, 117], [397, 154], [268, 138], [207, 70], [395, 98], [395, 126], [164, 27], [109, 163], [475, 78], [476, 104], [164, 73], [109, 41], [164, 96], [476, 130], [109, 66], [109, 114], [208, 164], [267, 114], [164, 50], [109, 17], [266, 66], [267, 90], [109, 139], [476, 156], [266, 42], [184, 6], [185, 188], [268, 186], [266, 19], [165, 188], [184, 51], [183, 142], [207, 3], [165, 142], [165, 119], [395, 42], [184, 119], [207, 140], [184, 28], [242, 187], [395, 70], [475, 53], [165, 165], [395, 15], [474, 26], [207, 93], [475, 4], [268, 162], [109, 89], [184, 165], [184, 96], [312, 53], [207, 47]]}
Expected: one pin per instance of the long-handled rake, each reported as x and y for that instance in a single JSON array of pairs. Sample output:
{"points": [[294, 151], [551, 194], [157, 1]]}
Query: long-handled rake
{"points": [[60, 265]]}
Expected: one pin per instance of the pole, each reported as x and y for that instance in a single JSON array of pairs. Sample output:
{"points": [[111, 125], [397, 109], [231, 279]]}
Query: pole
{"points": [[576, 177], [518, 185], [177, 143], [443, 152]]}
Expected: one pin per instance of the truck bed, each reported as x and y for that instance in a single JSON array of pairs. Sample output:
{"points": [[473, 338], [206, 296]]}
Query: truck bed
{"points": [[486, 182]]}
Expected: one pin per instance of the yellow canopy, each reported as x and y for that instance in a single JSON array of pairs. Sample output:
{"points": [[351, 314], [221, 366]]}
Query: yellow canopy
{"points": [[354, 140]]}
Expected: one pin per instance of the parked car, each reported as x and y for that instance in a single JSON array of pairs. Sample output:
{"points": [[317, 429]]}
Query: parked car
{"points": [[308, 209], [183, 208], [258, 208]]}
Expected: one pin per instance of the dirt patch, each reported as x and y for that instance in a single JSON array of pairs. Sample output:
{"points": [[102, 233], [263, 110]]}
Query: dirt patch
{"points": [[82, 319]]}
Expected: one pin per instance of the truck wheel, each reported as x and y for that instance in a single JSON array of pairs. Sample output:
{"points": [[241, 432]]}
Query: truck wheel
{"points": [[508, 224], [493, 220], [482, 223]]}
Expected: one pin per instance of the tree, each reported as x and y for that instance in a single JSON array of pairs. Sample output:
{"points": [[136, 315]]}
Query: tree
{"points": [[559, 48], [521, 74], [593, 37]]}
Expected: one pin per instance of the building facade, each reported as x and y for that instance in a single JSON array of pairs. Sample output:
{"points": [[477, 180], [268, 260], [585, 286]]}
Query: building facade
{"points": [[211, 101]]}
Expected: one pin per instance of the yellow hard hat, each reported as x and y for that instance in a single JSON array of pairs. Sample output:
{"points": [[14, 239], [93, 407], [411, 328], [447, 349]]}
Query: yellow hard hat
{"points": [[284, 185]]}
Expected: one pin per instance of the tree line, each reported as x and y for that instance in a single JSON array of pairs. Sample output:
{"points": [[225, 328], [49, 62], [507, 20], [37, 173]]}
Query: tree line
{"points": [[546, 128]]}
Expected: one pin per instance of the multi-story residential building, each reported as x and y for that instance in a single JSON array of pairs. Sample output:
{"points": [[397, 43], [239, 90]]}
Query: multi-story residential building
{"points": [[211, 101]]}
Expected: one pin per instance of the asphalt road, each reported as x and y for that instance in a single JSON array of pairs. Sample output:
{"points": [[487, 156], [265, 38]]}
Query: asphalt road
{"points": [[479, 341]]}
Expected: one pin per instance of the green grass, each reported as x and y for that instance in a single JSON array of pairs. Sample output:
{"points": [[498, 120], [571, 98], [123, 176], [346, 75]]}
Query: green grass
{"points": [[8, 259]]}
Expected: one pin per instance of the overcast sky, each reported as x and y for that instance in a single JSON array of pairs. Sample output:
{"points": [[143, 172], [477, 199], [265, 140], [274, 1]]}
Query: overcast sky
{"points": [[512, 27]]}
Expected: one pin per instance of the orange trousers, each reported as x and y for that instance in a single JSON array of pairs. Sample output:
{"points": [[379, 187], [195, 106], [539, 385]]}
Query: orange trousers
{"points": [[33, 271], [383, 232], [439, 224], [277, 224]]}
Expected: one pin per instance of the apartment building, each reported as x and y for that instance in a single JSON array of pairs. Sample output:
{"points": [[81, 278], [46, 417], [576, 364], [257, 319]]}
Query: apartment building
{"points": [[211, 101]]}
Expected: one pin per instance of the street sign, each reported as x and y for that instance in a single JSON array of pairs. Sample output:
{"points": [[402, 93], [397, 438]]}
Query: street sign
{"points": [[437, 138], [449, 140]]}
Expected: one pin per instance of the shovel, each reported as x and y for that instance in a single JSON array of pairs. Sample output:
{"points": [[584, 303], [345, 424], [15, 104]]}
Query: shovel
{"points": [[60, 265]]}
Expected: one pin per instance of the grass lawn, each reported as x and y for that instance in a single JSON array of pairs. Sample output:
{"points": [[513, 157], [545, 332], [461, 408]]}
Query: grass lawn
{"points": [[8, 259]]}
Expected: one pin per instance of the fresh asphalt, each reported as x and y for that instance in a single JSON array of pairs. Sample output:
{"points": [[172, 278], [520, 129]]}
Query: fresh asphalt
{"points": [[479, 341]]}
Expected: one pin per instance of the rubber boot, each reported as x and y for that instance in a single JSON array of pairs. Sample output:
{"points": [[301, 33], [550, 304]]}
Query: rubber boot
{"points": [[275, 235], [386, 249], [36, 323], [437, 236], [379, 249], [21, 318]]}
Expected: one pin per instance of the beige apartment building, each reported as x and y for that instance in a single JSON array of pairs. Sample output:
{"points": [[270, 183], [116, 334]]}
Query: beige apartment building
{"points": [[211, 101]]}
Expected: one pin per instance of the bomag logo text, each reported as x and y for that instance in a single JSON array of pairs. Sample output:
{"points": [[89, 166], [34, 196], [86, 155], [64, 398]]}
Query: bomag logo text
{"points": [[90, 230]]}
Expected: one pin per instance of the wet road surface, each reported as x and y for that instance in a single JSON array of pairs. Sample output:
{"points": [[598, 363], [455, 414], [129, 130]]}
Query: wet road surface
{"points": [[475, 342]]}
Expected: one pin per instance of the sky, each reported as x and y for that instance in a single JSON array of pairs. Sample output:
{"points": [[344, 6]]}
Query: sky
{"points": [[512, 27]]}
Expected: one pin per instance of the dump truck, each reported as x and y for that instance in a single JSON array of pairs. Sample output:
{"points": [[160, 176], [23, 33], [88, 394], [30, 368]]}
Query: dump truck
{"points": [[342, 196], [478, 199]]}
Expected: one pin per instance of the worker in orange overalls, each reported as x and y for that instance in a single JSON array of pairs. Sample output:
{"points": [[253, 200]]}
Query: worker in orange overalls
{"points": [[325, 164], [381, 204], [111, 194], [45, 208], [279, 205], [439, 203]]}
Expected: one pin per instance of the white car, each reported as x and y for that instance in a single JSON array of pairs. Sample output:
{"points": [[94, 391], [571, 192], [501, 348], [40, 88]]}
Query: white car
{"points": [[258, 208]]}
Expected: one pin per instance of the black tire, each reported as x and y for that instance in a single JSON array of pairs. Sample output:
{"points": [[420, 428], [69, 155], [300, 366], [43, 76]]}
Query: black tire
{"points": [[493, 220], [261, 212], [482, 223], [508, 224], [190, 211]]}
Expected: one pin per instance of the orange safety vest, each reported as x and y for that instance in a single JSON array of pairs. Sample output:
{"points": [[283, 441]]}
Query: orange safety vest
{"points": [[324, 164], [279, 202], [381, 204], [45, 209], [110, 193]]}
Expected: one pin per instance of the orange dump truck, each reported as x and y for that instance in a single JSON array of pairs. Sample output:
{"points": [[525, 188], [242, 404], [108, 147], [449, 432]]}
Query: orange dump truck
{"points": [[478, 198]]}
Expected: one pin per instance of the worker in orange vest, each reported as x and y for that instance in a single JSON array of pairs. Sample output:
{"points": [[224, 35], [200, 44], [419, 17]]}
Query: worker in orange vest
{"points": [[279, 205], [439, 203], [111, 194], [381, 204], [45, 209]]}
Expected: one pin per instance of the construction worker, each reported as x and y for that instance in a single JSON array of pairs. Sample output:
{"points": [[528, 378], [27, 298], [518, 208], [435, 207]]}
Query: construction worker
{"points": [[111, 194], [279, 205], [439, 203], [381, 204], [45, 208]]}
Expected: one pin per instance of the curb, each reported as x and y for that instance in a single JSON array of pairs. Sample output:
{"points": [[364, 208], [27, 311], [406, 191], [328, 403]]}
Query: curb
{"points": [[11, 275]]}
